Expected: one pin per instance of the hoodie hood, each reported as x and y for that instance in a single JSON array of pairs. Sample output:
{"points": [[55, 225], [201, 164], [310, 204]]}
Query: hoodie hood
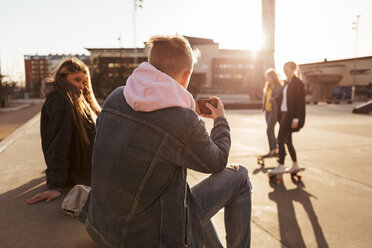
{"points": [[149, 89]]}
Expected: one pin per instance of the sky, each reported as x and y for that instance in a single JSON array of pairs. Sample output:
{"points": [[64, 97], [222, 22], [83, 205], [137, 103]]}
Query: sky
{"points": [[306, 30]]}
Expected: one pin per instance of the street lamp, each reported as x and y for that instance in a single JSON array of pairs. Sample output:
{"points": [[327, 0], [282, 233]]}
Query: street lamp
{"points": [[355, 28], [137, 4]]}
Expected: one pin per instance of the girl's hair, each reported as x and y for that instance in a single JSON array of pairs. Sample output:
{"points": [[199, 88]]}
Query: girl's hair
{"points": [[84, 105], [294, 67], [271, 72]]}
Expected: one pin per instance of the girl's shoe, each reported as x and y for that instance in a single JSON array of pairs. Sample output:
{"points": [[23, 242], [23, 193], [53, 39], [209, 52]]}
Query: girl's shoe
{"points": [[278, 170], [294, 168]]}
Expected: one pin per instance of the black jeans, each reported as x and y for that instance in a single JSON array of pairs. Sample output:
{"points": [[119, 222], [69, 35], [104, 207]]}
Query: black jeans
{"points": [[285, 136]]}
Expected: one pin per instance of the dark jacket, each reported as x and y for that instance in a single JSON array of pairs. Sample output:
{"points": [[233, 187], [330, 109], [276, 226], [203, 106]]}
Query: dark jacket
{"points": [[296, 102], [67, 158], [275, 105], [140, 196]]}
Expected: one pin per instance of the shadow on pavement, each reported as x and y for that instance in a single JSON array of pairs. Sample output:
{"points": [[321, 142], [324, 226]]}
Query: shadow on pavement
{"points": [[290, 232], [38, 225], [262, 169]]}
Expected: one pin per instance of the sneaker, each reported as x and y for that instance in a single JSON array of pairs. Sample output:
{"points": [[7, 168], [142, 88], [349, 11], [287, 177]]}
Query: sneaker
{"points": [[293, 169], [279, 169]]}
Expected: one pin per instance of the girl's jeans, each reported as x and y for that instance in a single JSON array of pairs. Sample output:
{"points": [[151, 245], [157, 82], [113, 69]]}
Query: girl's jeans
{"points": [[271, 121], [229, 189]]}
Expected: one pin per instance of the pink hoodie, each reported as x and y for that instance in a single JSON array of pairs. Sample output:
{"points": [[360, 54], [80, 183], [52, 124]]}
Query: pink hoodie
{"points": [[149, 89]]}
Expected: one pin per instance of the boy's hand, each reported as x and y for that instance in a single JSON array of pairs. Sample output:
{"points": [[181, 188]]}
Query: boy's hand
{"points": [[216, 112], [294, 124], [46, 195]]}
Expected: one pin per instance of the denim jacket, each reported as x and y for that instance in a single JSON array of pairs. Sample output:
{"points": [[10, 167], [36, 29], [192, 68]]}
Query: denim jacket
{"points": [[140, 196]]}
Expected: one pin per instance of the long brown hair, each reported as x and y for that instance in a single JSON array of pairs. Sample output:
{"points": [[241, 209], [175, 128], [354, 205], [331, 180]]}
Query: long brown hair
{"points": [[271, 72], [84, 105]]}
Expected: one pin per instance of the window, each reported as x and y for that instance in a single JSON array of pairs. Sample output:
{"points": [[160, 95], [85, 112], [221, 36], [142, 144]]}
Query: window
{"points": [[360, 72], [224, 76]]}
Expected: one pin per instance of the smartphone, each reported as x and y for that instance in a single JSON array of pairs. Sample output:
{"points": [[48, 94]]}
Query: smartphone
{"points": [[203, 108]]}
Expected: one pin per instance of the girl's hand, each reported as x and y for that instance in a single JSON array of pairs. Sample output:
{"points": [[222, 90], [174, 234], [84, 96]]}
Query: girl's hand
{"points": [[48, 196]]}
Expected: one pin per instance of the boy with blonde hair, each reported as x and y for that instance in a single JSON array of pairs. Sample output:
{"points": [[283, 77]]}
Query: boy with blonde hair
{"points": [[148, 135]]}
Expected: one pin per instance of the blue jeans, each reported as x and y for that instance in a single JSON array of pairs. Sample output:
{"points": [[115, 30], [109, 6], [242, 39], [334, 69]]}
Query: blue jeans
{"points": [[231, 190], [271, 121]]}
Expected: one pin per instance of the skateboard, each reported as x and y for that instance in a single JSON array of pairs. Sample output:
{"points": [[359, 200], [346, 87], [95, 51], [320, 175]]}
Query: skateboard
{"points": [[278, 177], [261, 159]]}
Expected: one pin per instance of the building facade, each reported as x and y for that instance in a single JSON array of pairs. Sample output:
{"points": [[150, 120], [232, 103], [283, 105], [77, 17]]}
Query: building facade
{"points": [[348, 79], [218, 71], [227, 71], [111, 67]]}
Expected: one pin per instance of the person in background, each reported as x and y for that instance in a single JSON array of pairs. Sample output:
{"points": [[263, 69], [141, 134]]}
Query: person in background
{"points": [[271, 106], [148, 136], [292, 116], [67, 128]]}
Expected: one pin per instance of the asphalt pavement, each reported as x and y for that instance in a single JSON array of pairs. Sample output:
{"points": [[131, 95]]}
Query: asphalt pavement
{"points": [[330, 206]]}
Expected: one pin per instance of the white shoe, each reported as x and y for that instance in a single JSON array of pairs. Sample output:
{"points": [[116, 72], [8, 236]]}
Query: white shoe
{"points": [[293, 169], [279, 169]]}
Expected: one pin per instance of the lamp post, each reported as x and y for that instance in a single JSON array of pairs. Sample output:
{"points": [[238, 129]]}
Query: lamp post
{"points": [[137, 4], [355, 28]]}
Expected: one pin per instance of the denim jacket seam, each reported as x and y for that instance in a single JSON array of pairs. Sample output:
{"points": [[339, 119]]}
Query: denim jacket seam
{"points": [[94, 144], [102, 238], [141, 187], [154, 127], [159, 130], [190, 131], [196, 158]]}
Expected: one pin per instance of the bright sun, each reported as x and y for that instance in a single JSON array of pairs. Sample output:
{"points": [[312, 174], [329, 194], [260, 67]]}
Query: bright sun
{"points": [[239, 24]]}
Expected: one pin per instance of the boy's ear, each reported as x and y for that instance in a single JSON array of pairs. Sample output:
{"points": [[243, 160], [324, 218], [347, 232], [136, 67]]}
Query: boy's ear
{"points": [[185, 78]]}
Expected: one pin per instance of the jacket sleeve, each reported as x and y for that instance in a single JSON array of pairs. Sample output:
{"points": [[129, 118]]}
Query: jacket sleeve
{"points": [[277, 92], [207, 153], [299, 101], [58, 139]]}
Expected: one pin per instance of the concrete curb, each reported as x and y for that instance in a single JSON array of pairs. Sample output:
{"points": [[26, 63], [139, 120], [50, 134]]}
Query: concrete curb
{"points": [[17, 133], [15, 108]]}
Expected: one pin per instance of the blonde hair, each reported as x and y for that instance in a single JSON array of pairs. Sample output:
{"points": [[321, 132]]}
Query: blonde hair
{"points": [[171, 54], [293, 67], [84, 105], [271, 72]]}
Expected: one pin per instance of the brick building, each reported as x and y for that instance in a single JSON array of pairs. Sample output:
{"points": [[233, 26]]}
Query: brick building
{"points": [[39, 67], [218, 71]]}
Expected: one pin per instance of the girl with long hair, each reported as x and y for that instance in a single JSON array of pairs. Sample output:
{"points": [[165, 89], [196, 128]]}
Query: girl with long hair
{"points": [[292, 116], [272, 94], [67, 128]]}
